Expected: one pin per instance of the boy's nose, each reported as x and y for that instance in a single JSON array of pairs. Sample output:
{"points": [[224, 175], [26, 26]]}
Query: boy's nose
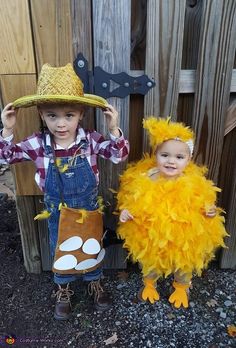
{"points": [[60, 123]]}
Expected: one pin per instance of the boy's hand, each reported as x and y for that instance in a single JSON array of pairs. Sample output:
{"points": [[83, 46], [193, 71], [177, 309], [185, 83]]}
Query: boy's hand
{"points": [[125, 216], [112, 120], [8, 117]]}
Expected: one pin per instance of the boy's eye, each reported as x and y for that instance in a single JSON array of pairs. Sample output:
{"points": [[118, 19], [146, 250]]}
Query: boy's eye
{"points": [[51, 115], [69, 115]]}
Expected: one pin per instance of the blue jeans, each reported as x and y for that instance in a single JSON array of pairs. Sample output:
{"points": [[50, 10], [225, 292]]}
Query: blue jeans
{"points": [[79, 188]]}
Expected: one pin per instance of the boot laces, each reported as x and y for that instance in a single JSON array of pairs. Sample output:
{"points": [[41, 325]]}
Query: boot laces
{"points": [[95, 288], [64, 294]]}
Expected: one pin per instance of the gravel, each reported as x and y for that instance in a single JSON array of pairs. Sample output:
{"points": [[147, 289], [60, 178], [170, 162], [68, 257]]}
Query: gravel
{"points": [[27, 304]]}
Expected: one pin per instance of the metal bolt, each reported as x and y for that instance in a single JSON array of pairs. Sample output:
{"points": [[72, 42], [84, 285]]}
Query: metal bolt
{"points": [[104, 85], [126, 84], [80, 63], [149, 84]]}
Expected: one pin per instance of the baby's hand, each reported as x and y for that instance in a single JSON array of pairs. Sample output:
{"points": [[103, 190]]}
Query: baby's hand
{"points": [[211, 212], [8, 117], [125, 216]]}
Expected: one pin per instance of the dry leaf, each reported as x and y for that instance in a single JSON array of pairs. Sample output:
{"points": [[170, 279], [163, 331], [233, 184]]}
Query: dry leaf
{"points": [[111, 339], [123, 275], [231, 330], [212, 303]]}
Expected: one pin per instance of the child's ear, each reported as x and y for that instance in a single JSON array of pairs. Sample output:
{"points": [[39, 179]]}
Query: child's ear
{"points": [[40, 114]]}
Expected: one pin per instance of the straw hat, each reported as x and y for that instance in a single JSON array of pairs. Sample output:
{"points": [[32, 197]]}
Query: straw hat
{"points": [[59, 85]]}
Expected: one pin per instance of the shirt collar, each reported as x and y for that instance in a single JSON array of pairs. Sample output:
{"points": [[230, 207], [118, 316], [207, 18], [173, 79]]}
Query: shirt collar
{"points": [[80, 135]]}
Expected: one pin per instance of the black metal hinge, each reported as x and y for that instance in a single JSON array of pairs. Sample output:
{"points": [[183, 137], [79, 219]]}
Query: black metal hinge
{"points": [[100, 82]]}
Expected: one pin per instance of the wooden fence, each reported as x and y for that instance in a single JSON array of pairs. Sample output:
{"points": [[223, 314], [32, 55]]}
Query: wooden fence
{"points": [[186, 46]]}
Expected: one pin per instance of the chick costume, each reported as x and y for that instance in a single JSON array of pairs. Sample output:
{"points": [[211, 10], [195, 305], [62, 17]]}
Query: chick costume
{"points": [[169, 232]]}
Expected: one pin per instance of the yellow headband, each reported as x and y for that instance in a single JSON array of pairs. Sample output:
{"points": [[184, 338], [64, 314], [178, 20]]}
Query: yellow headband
{"points": [[162, 129]]}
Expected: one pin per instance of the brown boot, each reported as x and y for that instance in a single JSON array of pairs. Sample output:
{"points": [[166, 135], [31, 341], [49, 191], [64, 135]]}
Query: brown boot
{"points": [[102, 300], [63, 304]]}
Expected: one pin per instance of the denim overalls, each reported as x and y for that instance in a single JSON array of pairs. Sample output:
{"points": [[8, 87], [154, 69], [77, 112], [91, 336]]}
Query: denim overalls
{"points": [[80, 190]]}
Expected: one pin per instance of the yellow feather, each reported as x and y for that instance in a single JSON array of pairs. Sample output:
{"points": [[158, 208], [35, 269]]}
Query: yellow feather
{"points": [[169, 230], [43, 215]]}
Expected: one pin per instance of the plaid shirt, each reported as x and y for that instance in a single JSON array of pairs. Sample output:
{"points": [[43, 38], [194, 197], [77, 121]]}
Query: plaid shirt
{"points": [[33, 148]]}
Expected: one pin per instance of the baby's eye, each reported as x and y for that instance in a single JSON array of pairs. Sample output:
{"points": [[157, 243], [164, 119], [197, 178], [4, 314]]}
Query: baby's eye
{"points": [[180, 157], [164, 155]]}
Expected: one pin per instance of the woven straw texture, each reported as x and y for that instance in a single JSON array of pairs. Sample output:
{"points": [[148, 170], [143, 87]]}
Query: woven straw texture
{"points": [[59, 85]]}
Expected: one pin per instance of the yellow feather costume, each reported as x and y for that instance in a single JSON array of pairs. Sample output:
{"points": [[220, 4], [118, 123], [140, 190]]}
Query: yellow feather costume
{"points": [[170, 231]]}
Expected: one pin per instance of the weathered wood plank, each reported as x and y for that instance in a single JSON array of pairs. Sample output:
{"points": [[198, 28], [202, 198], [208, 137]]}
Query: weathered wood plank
{"points": [[227, 180], [228, 198], [16, 46], [187, 80], [115, 257], [214, 73], [111, 20], [29, 234], [82, 42], [28, 121], [112, 53], [51, 20], [165, 27], [42, 227]]}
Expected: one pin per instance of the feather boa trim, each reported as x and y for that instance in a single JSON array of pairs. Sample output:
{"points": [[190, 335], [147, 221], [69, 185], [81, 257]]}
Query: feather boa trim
{"points": [[170, 231]]}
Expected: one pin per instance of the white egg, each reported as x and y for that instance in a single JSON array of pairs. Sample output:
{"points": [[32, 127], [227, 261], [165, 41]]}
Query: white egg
{"points": [[86, 264], [65, 262], [101, 256], [91, 246], [72, 243]]}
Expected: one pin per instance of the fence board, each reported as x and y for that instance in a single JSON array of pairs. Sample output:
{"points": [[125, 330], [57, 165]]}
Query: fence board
{"points": [[52, 32], [215, 63], [29, 234], [12, 87], [165, 26], [228, 196], [15, 15], [112, 53], [42, 227], [82, 42]]}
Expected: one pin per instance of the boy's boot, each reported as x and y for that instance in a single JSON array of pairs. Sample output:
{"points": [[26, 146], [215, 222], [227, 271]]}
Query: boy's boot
{"points": [[149, 292], [180, 296], [102, 300], [63, 303]]}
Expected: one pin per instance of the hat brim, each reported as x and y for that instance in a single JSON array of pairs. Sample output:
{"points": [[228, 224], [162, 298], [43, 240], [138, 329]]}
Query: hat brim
{"points": [[87, 99]]}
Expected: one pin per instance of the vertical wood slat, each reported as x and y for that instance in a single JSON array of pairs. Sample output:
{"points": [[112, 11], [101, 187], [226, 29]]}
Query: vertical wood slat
{"points": [[215, 63], [29, 234], [165, 27], [227, 180], [51, 20], [42, 226], [112, 53], [81, 21], [192, 28], [12, 87], [111, 23], [16, 49]]}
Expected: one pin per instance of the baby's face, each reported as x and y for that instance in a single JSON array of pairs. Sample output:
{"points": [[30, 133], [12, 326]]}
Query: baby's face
{"points": [[172, 158]]}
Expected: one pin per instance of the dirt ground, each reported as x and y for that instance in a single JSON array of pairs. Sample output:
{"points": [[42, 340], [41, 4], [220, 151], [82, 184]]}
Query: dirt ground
{"points": [[27, 304]]}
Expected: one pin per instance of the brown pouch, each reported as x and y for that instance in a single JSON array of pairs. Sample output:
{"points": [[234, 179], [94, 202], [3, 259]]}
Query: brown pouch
{"points": [[79, 245]]}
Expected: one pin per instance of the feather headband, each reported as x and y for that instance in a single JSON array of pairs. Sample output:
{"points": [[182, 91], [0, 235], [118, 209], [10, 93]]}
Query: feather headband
{"points": [[162, 129]]}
